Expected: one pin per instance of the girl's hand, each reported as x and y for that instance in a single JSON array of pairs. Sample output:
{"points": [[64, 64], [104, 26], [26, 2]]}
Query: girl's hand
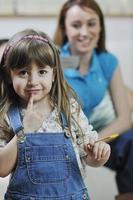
{"points": [[97, 153], [32, 119]]}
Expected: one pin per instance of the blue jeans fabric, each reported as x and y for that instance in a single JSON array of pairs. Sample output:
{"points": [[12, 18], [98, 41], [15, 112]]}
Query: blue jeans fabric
{"points": [[47, 169], [121, 161]]}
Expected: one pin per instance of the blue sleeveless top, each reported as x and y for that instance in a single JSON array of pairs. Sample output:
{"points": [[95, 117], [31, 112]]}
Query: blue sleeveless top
{"points": [[92, 87]]}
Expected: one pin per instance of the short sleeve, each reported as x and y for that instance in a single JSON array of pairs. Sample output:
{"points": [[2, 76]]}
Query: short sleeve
{"points": [[87, 129], [85, 126], [2, 139], [108, 63], [5, 132]]}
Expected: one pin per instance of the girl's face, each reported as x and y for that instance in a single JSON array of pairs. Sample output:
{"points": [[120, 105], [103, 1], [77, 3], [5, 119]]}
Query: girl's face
{"points": [[32, 80], [82, 29]]}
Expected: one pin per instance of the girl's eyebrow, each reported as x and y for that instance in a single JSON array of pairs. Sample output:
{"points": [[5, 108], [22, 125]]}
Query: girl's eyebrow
{"points": [[44, 66], [24, 67]]}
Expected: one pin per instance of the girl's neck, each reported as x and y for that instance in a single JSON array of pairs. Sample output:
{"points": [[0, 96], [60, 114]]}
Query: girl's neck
{"points": [[43, 104]]}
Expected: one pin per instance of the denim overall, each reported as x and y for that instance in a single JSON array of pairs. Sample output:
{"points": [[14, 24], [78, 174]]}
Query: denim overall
{"points": [[47, 167]]}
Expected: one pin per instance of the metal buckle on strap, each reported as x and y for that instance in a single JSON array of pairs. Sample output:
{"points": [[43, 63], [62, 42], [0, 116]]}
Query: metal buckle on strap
{"points": [[80, 140], [21, 136], [67, 132]]}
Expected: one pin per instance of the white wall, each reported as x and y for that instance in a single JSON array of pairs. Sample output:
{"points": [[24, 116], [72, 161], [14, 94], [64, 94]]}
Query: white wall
{"points": [[120, 41], [119, 37]]}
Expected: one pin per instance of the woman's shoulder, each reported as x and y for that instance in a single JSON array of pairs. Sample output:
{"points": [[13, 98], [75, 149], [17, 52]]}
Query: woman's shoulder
{"points": [[108, 58], [65, 50], [108, 63]]}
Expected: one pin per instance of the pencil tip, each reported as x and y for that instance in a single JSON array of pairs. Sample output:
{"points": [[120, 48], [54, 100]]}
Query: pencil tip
{"points": [[114, 135]]}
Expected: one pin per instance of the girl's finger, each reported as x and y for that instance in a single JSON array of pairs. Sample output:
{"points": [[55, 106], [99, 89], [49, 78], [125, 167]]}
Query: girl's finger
{"points": [[101, 150], [30, 103], [95, 150], [91, 142], [98, 149], [106, 151]]}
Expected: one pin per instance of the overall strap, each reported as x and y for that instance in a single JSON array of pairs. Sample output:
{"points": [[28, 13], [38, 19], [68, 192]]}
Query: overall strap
{"points": [[65, 124], [63, 120], [15, 118]]}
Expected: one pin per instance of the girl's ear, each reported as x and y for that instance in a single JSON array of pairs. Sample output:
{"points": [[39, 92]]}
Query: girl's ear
{"points": [[53, 79]]}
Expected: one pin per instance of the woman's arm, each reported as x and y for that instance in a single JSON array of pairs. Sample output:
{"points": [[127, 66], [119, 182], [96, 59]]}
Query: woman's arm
{"points": [[8, 157], [122, 122], [130, 97]]}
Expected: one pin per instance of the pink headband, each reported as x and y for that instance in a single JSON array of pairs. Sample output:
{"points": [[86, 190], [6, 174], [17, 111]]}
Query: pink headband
{"points": [[36, 37]]}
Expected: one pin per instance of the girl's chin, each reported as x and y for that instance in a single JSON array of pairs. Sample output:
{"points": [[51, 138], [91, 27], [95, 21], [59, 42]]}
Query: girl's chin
{"points": [[24, 100]]}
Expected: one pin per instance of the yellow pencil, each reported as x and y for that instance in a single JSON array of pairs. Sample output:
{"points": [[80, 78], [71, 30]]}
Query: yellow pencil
{"points": [[108, 138]]}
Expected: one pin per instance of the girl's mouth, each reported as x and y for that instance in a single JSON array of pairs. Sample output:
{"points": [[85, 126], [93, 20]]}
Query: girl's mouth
{"points": [[34, 91]]}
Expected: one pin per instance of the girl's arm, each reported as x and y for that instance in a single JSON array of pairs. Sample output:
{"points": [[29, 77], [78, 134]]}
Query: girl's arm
{"points": [[8, 157], [122, 122], [93, 153], [8, 154]]}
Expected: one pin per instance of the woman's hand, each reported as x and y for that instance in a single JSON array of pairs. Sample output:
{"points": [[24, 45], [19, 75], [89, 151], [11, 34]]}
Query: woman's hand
{"points": [[32, 118], [97, 153]]}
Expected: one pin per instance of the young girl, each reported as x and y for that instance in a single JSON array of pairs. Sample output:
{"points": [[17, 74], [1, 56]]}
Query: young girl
{"points": [[48, 138]]}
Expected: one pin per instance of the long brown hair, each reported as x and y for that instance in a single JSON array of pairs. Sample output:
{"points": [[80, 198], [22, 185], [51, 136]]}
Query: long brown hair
{"points": [[24, 48], [60, 37]]}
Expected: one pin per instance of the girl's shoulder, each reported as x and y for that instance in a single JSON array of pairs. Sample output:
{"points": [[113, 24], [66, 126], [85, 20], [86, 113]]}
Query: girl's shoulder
{"points": [[84, 127], [73, 102], [75, 106]]}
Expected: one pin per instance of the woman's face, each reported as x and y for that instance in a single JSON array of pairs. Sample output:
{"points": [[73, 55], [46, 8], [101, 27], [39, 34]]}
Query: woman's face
{"points": [[82, 28]]}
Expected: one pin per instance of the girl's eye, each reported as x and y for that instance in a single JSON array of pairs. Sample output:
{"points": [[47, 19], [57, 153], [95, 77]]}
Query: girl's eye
{"points": [[42, 72], [23, 73]]}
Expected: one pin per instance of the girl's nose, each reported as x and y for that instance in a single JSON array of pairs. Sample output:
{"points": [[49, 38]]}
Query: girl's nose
{"points": [[32, 79]]}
